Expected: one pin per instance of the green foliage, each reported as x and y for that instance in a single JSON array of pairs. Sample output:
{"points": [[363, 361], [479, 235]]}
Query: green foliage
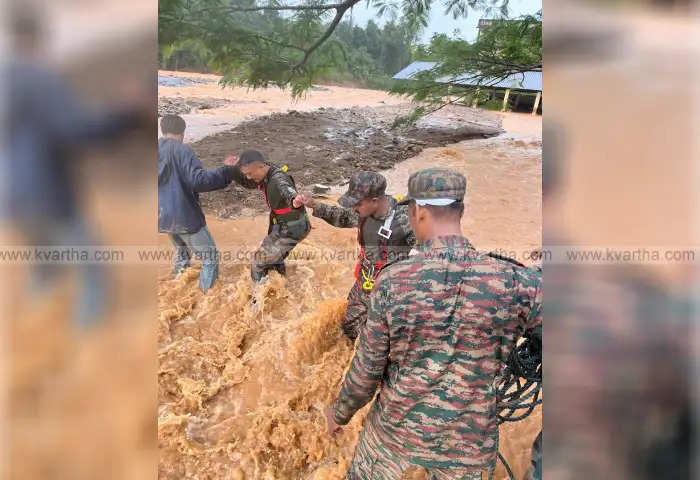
{"points": [[494, 104], [411, 118], [421, 52], [265, 42], [188, 54], [374, 51]]}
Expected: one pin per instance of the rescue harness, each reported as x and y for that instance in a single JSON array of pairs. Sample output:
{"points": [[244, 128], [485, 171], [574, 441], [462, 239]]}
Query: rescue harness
{"points": [[280, 211], [369, 270]]}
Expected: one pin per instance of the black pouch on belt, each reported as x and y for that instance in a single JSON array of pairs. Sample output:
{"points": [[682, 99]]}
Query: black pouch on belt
{"points": [[297, 229]]}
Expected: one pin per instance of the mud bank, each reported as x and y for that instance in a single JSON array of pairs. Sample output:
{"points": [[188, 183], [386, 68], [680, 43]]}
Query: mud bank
{"points": [[329, 145]]}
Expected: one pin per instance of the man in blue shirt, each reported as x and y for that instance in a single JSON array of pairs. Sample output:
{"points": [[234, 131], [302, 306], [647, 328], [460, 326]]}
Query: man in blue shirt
{"points": [[181, 178]]}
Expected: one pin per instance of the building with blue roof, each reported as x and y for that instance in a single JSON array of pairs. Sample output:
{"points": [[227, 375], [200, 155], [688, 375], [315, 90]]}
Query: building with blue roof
{"points": [[519, 92]]}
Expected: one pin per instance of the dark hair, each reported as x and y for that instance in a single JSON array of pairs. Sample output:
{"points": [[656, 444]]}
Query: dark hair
{"points": [[174, 124], [249, 157], [454, 210]]}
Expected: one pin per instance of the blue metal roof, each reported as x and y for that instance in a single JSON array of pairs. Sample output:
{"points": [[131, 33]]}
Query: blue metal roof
{"points": [[414, 68], [525, 81]]}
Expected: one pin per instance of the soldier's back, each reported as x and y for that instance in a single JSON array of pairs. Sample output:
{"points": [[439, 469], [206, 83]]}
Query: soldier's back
{"points": [[453, 315]]}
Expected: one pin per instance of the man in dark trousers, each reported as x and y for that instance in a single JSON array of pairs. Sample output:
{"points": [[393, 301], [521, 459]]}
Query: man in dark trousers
{"points": [[289, 223], [181, 178]]}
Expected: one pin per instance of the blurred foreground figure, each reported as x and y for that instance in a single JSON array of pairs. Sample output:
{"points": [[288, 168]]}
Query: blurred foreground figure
{"points": [[441, 324], [46, 125], [619, 348]]}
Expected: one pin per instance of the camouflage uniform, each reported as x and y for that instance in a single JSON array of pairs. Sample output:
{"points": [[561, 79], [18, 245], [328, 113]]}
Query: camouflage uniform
{"points": [[440, 325], [288, 226], [377, 250]]}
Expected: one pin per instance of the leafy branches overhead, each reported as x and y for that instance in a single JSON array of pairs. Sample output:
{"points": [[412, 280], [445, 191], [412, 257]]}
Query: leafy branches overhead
{"points": [[459, 8], [268, 42]]}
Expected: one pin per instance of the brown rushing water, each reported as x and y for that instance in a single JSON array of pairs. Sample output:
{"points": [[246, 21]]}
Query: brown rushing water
{"points": [[243, 395]]}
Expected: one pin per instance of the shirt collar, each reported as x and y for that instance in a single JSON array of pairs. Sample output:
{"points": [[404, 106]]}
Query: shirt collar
{"points": [[268, 176], [450, 242]]}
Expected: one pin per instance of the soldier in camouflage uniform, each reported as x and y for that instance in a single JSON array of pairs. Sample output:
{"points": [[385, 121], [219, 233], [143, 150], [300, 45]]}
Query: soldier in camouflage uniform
{"points": [[441, 324], [383, 231], [289, 223]]}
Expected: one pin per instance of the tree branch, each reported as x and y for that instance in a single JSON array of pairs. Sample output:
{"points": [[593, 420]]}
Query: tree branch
{"points": [[482, 77], [443, 105], [275, 42], [524, 68], [249, 34], [340, 11]]}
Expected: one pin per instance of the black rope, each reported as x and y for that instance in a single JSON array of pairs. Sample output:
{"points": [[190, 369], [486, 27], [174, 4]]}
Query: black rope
{"points": [[519, 388], [505, 464]]}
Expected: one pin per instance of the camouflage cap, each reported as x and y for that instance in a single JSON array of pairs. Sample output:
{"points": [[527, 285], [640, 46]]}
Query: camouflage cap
{"points": [[363, 185], [435, 186]]}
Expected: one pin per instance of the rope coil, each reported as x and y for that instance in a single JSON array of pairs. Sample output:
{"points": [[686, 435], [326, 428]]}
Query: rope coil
{"points": [[519, 388]]}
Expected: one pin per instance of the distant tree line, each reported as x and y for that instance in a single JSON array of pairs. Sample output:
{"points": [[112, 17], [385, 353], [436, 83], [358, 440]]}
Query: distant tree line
{"points": [[260, 43], [368, 55]]}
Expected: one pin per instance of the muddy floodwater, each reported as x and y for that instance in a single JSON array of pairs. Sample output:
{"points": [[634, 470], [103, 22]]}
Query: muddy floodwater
{"points": [[243, 394]]}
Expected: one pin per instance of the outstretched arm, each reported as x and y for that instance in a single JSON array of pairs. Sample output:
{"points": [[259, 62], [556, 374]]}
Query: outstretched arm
{"points": [[336, 216], [287, 190], [201, 179], [370, 360]]}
